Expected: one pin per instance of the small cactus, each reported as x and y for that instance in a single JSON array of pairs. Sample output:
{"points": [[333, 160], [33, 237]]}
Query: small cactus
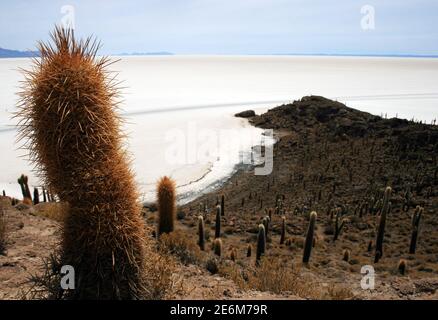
{"points": [[233, 254], [217, 230], [386, 207], [166, 205], [346, 255], [261, 243], [370, 246], [309, 237], [36, 196], [248, 251], [402, 266], [416, 218], [217, 247], [26, 187], [338, 227], [201, 233], [21, 183], [283, 230]]}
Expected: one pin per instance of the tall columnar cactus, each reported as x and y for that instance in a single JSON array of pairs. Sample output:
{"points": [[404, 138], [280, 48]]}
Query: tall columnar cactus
{"points": [[217, 229], [201, 233], [308, 244], [223, 205], [26, 187], [21, 183], [283, 230], [265, 222], [415, 229], [261, 243], [36, 196], [166, 196], [386, 205], [68, 115], [338, 227], [44, 195]]}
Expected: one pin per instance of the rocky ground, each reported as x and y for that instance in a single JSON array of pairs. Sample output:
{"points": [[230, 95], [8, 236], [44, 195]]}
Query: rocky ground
{"points": [[32, 235]]}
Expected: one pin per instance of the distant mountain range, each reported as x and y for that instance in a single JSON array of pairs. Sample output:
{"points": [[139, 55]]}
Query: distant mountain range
{"points": [[8, 53]]}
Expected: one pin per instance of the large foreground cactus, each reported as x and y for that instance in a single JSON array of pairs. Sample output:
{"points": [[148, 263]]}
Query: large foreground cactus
{"points": [[68, 116]]}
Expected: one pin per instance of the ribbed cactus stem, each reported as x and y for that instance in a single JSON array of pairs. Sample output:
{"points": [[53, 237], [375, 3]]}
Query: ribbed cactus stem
{"points": [[416, 218], [308, 244], [382, 223], [36, 196], [283, 230], [217, 229], [201, 233], [261, 243]]}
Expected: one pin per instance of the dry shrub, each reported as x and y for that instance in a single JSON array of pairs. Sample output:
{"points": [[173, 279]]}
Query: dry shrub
{"points": [[274, 276], [3, 232], [52, 210], [181, 245], [162, 279], [337, 292]]}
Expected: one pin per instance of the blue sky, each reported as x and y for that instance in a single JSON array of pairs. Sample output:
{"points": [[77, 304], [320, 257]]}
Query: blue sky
{"points": [[231, 26]]}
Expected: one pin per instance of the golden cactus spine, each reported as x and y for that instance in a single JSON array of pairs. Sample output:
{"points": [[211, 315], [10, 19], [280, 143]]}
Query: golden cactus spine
{"points": [[67, 114]]}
